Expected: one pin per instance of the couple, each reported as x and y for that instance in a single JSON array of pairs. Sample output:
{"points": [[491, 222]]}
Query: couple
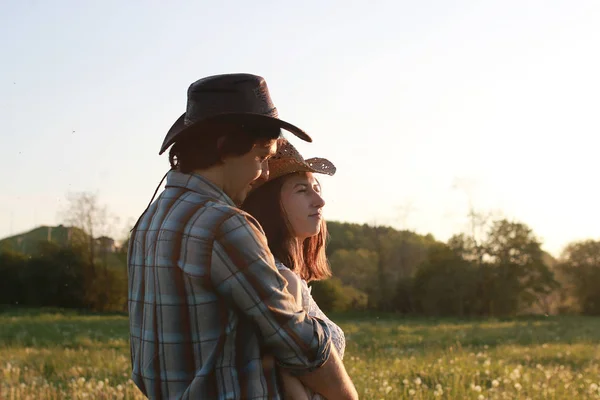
{"points": [[219, 307]]}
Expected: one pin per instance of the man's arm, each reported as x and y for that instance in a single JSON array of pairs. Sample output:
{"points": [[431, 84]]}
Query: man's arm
{"points": [[243, 271]]}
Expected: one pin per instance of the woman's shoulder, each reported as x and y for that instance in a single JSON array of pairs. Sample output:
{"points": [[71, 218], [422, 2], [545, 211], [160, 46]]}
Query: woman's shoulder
{"points": [[281, 266], [295, 286], [288, 274]]}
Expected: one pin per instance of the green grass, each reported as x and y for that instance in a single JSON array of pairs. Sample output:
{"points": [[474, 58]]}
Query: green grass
{"points": [[57, 354]]}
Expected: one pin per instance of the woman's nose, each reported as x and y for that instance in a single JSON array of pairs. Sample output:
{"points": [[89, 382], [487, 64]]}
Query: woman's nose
{"points": [[318, 201]]}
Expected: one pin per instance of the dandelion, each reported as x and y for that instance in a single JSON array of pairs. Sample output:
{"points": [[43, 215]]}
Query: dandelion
{"points": [[515, 374], [495, 383], [518, 386], [417, 381], [412, 392]]}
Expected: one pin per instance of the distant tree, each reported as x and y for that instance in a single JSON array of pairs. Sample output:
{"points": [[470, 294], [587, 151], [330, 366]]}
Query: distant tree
{"points": [[512, 273], [467, 247], [378, 234], [516, 252], [356, 268], [378, 260], [12, 287], [84, 211], [446, 284], [580, 263], [56, 276], [332, 295], [52, 277], [471, 245]]}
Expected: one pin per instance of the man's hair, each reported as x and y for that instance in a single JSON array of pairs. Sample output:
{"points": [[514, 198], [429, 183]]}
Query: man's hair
{"points": [[205, 147], [307, 258]]}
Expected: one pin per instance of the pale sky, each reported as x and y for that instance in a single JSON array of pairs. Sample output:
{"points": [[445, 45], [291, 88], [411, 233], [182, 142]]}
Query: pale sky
{"points": [[407, 98]]}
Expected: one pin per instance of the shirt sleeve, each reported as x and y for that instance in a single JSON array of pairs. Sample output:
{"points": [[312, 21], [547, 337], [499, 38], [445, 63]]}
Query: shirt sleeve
{"points": [[243, 272]]}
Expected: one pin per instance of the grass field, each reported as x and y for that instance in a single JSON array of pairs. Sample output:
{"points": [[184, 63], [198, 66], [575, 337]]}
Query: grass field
{"points": [[56, 355]]}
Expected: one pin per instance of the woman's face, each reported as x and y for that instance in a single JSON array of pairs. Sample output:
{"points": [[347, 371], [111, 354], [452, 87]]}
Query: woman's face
{"points": [[302, 203]]}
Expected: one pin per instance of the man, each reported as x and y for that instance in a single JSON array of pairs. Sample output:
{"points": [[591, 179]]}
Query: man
{"points": [[206, 303]]}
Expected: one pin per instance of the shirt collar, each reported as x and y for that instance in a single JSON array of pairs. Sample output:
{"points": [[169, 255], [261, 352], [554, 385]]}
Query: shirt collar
{"points": [[199, 184]]}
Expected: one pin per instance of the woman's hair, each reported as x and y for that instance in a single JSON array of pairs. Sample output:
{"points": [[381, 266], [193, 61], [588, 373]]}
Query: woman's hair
{"points": [[306, 258], [206, 147]]}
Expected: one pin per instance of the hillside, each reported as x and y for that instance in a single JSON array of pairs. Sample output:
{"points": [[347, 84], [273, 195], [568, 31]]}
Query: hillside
{"points": [[27, 242]]}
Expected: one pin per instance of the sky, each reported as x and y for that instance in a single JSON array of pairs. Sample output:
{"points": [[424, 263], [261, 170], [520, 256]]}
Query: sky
{"points": [[426, 108]]}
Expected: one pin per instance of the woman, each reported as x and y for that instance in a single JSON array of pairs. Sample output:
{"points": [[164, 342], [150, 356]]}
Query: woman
{"points": [[289, 208]]}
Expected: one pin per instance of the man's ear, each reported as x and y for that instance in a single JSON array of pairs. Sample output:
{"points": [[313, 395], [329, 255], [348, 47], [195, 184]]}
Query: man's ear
{"points": [[220, 143]]}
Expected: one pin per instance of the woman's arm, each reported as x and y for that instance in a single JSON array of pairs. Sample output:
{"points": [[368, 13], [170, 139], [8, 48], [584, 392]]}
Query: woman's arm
{"points": [[293, 388]]}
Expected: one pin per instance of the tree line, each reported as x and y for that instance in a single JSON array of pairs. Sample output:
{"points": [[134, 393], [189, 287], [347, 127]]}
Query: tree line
{"points": [[497, 269]]}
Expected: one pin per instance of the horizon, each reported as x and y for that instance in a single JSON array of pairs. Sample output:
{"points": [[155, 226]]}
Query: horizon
{"points": [[119, 240], [427, 109]]}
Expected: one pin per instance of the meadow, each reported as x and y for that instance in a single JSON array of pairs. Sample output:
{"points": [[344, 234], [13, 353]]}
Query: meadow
{"points": [[55, 354]]}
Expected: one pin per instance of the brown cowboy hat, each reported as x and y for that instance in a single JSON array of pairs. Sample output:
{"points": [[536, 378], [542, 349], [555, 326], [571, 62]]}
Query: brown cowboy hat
{"points": [[232, 97], [288, 160]]}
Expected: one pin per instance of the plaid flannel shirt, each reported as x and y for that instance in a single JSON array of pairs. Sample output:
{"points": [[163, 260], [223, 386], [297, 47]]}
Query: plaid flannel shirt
{"points": [[206, 301]]}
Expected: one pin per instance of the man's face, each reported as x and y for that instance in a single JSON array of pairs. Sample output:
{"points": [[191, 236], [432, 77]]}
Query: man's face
{"points": [[240, 172]]}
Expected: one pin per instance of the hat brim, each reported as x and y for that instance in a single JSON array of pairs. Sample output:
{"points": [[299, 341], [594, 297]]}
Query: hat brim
{"points": [[286, 166], [179, 128]]}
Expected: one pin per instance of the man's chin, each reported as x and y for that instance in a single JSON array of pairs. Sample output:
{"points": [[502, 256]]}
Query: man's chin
{"points": [[239, 200], [241, 197], [258, 181]]}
